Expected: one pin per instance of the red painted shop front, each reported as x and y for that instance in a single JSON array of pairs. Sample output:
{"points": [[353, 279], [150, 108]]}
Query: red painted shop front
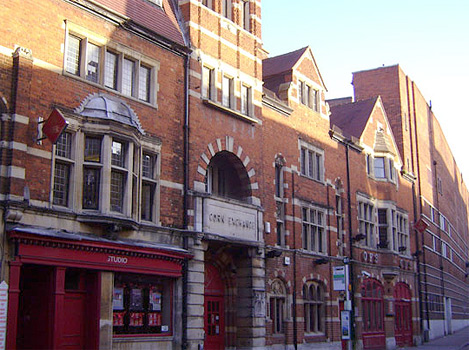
{"points": [[403, 315], [214, 310], [55, 286]]}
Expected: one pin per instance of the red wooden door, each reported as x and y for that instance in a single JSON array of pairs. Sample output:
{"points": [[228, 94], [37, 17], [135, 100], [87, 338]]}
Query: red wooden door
{"points": [[373, 315], [73, 337], [403, 315], [214, 310]]}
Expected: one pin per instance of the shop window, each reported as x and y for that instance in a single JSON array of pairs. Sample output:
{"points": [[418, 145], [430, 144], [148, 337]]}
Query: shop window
{"points": [[366, 222], [312, 162], [313, 230], [117, 71], [142, 304], [314, 308]]}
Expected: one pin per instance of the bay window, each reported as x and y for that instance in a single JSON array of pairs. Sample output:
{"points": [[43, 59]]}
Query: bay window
{"points": [[117, 173]]}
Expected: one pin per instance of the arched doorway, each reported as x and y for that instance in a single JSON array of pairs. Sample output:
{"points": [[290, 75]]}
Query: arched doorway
{"points": [[373, 315], [403, 317], [214, 301]]}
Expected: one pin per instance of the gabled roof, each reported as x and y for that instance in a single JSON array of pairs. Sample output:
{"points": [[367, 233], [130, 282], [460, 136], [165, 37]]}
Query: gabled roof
{"points": [[161, 21], [282, 63], [352, 117]]}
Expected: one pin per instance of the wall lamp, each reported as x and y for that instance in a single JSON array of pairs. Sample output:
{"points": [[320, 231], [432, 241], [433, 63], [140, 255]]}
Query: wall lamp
{"points": [[320, 261], [358, 237], [275, 253]]}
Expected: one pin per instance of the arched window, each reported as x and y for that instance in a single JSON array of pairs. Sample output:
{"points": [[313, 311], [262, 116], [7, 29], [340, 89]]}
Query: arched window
{"points": [[277, 307], [227, 177], [314, 307]]}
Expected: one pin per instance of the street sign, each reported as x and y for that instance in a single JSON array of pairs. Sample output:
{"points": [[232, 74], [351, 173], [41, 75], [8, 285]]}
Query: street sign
{"points": [[338, 278]]}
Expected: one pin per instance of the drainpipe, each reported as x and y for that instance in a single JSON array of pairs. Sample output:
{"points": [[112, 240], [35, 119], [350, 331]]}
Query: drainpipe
{"points": [[185, 200], [351, 274], [295, 324]]}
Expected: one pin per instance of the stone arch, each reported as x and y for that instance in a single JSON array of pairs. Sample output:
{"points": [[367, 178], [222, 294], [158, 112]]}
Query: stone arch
{"points": [[241, 161]]}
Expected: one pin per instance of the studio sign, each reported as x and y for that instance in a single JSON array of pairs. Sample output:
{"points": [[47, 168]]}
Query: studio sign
{"points": [[117, 259], [232, 221]]}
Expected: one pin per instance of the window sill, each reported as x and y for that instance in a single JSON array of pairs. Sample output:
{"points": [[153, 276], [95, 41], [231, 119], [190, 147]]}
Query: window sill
{"points": [[116, 92], [312, 179], [113, 221], [230, 111]]}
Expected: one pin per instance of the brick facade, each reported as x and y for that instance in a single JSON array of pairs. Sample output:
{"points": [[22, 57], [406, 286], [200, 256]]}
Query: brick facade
{"points": [[255, 190]]}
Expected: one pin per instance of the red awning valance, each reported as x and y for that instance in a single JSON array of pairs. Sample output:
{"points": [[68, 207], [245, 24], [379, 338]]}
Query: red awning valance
{"points": [[58, 248]]}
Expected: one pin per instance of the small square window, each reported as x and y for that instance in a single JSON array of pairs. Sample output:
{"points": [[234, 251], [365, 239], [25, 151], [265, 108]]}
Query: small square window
{"points": [[93, 149]]}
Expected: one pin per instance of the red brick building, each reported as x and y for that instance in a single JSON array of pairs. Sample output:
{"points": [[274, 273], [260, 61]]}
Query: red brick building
{"points": [[207, 196], [93, 252], [440, 197]]}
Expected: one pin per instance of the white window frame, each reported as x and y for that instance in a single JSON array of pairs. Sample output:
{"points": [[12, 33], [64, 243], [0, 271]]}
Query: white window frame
{"points": [[313, 230], [366, 221], [208, 83], [245, 99], [122, 53], [227, 91], [314, 171]]}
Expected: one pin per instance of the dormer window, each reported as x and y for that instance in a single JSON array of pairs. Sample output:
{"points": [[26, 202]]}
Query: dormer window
{"points": [[308, 96]]}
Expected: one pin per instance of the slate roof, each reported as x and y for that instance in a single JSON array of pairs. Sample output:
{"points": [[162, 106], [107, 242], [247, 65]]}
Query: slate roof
{"points": [[282, 63], [161, 21], [352, 117]]}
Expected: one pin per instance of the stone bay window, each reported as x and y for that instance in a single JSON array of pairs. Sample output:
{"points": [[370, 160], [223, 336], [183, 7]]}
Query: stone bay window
{"points": [[105, 165]]}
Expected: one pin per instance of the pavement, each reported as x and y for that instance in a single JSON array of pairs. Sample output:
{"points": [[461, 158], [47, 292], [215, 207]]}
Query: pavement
{"points": [[459, 340]]}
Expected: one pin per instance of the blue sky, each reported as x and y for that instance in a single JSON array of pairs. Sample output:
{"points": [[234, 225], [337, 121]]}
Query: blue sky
{"points": [[428, 39]]}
